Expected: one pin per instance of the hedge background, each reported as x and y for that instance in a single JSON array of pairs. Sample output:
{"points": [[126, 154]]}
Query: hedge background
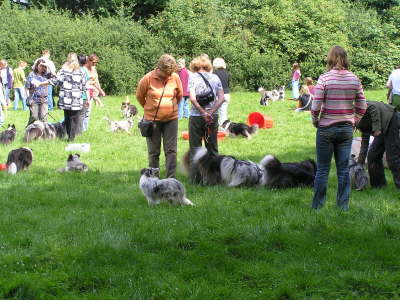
{"points": [[259, 39]]}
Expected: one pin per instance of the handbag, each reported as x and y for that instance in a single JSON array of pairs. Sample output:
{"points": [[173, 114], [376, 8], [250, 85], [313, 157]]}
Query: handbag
{"points": [[146, 127], [206, 98]]}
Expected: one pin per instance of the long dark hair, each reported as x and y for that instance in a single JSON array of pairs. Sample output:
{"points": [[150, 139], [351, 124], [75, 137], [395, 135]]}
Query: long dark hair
{"points": [[36, 66], [337, 59]]}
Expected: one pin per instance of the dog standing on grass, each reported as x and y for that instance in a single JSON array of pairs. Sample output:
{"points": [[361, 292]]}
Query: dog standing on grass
{"points": [[8, 135], [123, 125], [18, 160], [128, 110], [158, 190]]}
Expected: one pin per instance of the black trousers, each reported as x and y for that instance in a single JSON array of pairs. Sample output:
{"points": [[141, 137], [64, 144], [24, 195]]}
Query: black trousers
{"points": [[199, 130], [72, 118], [389, 142]]}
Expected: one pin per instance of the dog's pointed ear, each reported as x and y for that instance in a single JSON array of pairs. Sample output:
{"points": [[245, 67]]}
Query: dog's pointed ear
{"points": [[142, 171], [13, 126], [77, 154], [70, 157]]}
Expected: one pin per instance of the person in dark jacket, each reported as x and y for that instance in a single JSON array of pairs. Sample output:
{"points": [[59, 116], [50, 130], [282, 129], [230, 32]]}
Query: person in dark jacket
{"points": [[381, 121]]}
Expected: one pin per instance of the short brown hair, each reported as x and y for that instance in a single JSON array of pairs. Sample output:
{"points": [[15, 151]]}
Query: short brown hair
{"points": [[93, 57], [295, 66], [167, 64], [337, 59], [200, 62]]}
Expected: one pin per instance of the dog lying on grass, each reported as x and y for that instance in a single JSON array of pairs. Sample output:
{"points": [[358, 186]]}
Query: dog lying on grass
{"points": [[239, 129], [74, 164], [358, 175], [8, 135], [210, 169], [158, 190]]}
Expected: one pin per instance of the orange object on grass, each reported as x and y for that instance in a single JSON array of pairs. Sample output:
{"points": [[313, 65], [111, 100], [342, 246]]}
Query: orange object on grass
{"points": [[256, 118], [3, 167], [220, 135]]}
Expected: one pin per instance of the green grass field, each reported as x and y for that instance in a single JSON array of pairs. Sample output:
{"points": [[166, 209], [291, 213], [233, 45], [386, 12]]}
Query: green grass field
{"points": [[93, 235]]}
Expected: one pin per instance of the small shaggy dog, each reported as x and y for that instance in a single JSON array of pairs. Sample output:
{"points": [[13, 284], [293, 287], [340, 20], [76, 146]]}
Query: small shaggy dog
{"points": [[235, 129], [8, 135], [162, 190], [42, 130], [74, 164], [358, 175], [210, 169], [123, 125], [19, 159], [128, 110], [266, 96]]}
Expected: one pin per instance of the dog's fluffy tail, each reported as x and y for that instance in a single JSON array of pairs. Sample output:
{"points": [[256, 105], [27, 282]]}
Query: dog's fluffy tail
{"points": [[270, 162], [186, 201], [12, 169]]}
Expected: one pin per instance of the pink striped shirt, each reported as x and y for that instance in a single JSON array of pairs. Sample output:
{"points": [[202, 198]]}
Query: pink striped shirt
{"points": [[339, 97]]}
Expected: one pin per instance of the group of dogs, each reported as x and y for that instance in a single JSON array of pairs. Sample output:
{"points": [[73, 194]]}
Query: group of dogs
{"points": [[267, 97], [205, 167]]}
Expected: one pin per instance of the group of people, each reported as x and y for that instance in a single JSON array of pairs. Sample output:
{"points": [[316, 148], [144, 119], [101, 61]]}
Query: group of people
{"points": [[161, 92], [78, 84]]}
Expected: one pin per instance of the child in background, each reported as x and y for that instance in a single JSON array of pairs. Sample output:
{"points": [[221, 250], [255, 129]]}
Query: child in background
{"points": [[309, 83], [305, 99], [19, 85], [296, 74]]}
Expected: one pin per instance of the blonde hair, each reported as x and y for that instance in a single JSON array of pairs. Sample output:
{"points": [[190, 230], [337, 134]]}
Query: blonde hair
{"points": [[304, 90], [167, 64], [295, 66], [72, 61], [22, 63], [181, 63], [199, 63], [308, 81], [219, 63]]}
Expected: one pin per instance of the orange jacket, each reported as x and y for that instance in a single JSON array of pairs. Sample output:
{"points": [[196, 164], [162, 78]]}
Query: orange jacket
{"points": [[149, 91]]}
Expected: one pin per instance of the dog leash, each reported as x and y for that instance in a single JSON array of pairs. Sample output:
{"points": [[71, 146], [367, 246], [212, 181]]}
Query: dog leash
{"points": [[48, 114]]}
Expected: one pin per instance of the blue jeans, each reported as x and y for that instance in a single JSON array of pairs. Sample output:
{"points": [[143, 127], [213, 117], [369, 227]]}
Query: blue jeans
{"points": [[19, 93], [50, 96], [333, 140], [295, 89], [183, 108], [6, 94]]}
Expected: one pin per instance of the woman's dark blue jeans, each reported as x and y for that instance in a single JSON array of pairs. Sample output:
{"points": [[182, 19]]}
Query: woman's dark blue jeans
{"points": [[334, 140]]}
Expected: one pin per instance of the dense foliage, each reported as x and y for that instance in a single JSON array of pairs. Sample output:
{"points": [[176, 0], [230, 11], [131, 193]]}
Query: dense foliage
{"points": [[259, 39]]}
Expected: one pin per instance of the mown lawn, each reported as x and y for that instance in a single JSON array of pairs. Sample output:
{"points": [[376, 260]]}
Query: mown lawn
{"points": [[93, 236]]}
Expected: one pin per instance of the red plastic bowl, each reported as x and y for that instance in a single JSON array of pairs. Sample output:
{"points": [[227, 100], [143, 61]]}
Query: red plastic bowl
{"points": [[220, 135], [257, 118]]}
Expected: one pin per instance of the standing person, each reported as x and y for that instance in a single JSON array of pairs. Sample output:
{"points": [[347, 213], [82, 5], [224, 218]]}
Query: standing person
{"points": [[36, 84], [393, 85], [51, 72], [72, 82], [296, 74], [203, 121], [94, 87], [339, 103], [2, 104], [6, 79], [381, 121], [85, 112], [223, 75], [19, 85], [159, 93], [184, 74]]}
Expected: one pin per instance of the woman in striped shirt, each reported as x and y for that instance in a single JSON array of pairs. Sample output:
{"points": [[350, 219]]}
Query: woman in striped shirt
{"points": [[338, 105]]}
